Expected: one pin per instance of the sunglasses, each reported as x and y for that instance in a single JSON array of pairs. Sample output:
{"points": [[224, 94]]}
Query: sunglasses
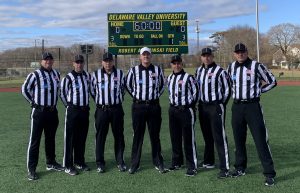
{"points": [[79, 62], [48, 58]]}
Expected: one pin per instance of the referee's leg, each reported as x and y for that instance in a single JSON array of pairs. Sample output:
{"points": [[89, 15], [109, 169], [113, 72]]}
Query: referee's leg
{"points": [[219, 135], [34, 139], [188, 130], [139, 113], [80, 136], [239, 127], [154, 124], [204, 119], [50, 125], [176, 137], [117, 126], [101, 125], [259, 132], [70, 124]]}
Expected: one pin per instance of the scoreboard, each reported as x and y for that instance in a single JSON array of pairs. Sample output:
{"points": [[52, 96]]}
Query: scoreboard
{"points": [[164, 33]]}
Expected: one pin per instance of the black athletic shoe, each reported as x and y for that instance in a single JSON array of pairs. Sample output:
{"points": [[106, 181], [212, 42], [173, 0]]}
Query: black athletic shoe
{"points": [[122, 167], [176, 167], [206, 165], [32, 175], [269, 181], [133, 170], [223, 174], [82, 167], [71, 171], [161, 169], [100, 169], [190, 172], [55, 166], [238, 173]]}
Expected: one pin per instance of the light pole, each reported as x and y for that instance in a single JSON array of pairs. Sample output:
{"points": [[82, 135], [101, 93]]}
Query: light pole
{"points": [[257, 31], [197, 31], [35, 41]]}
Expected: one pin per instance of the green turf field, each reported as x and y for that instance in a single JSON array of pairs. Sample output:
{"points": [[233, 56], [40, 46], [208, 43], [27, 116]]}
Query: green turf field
{"points": [[281, 109]]}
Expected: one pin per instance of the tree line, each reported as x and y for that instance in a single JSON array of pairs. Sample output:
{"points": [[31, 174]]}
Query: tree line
{"points": [[280, 37]]}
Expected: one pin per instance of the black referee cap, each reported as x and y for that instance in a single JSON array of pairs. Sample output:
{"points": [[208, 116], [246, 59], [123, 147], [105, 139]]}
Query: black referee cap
{"points": [[107, 56], [176, 58], [206, 51], [47, 55], [240, 47], [78, 58]]}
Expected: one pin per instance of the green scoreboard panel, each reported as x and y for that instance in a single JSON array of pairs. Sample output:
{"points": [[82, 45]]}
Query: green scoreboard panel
{"points": [[164, 33]]}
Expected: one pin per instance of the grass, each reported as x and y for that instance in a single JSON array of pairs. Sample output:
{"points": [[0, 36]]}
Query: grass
{"points": [[281, 109], [10, 83]]}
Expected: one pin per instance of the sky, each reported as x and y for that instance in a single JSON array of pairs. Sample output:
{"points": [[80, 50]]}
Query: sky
{"points": [[24, 23]]}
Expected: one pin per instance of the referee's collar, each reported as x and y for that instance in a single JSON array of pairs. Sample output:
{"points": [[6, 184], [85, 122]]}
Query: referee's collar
{"points": [[150, 67], [77, 73], [178, 73], [210, 65]]}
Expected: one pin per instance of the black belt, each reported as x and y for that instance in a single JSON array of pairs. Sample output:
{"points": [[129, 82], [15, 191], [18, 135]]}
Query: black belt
{"points": [[78, 107], [210, 103], [107, 106], [181, 107], [147, 102], [245, 101], [44, 108]]}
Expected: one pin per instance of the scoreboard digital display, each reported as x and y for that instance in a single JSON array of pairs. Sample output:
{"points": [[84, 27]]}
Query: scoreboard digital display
{"points": [[164, 33]]}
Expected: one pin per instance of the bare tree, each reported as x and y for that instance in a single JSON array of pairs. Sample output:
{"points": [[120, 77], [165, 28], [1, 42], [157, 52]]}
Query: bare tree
{"points": [[282, 36], [226, 40]]}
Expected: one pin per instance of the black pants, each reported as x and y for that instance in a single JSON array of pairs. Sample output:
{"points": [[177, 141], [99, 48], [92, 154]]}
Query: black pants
{"points": [[251, 114], [182, 125], [42, 120], [115, 116], [142, 114], [212, 122], [76, 130]]}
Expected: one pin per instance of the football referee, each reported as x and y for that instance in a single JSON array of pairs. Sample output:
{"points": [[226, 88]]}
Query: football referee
{"points": [[183, 96], [249, 80], [145, 83], [41, 89], [108, 90], [75, 96], [214, 94]]}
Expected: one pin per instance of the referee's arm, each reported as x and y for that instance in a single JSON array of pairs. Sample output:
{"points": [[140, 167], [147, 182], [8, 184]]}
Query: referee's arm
{"points": [[161, 82], [93, 85], [64, 89], [27, 87], [123, 84], [129, 82], [194, 89], [225, 82], [267, 77]]}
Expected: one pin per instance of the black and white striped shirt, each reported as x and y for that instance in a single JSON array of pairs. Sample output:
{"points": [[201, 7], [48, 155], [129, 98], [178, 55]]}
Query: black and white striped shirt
{"points": [[41, 87], [247, 79], [75, 89], [183, 89], [145, 83], [214, 84], [108, 89]]}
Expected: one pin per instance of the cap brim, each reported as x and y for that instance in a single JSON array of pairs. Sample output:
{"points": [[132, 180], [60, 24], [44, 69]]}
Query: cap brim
{"points": [[48, 58], [240, 50]]}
